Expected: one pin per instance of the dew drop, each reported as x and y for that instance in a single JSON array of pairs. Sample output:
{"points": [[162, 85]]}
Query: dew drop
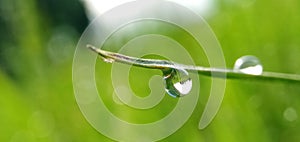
{"points": [[249, 65], [177, 82], [108, 60]]}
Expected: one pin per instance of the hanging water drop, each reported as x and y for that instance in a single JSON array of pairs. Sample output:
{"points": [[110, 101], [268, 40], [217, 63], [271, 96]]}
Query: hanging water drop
{"points": [[177, 82], [249, 65]]}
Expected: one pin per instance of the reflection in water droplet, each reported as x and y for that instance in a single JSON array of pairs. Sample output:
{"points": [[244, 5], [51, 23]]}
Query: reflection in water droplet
{"points": [[290, 114], [177, 82], [249, 65]]}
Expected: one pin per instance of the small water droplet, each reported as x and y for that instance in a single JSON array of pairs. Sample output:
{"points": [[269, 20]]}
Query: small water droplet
{"points": [[249, 65], [108, 60], [177, 82]]}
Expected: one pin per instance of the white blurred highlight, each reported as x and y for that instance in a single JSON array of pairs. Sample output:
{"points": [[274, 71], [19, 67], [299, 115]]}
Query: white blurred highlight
{"points": [[97, 7]]}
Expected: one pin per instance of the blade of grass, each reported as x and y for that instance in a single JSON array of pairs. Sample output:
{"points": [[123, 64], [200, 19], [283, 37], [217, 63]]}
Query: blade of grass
{"points": [[213, 72]]}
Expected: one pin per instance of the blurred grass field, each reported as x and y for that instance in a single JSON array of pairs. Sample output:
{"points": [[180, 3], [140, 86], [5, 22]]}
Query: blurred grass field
{"points": [[38, 39]]}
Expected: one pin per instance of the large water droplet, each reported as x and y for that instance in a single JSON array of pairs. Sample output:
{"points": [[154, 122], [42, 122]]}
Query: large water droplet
{"points": [[177, 82], [249, 65]]}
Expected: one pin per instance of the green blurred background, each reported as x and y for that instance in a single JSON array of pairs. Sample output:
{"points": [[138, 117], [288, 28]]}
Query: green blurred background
{"points": [[38, 39]]}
